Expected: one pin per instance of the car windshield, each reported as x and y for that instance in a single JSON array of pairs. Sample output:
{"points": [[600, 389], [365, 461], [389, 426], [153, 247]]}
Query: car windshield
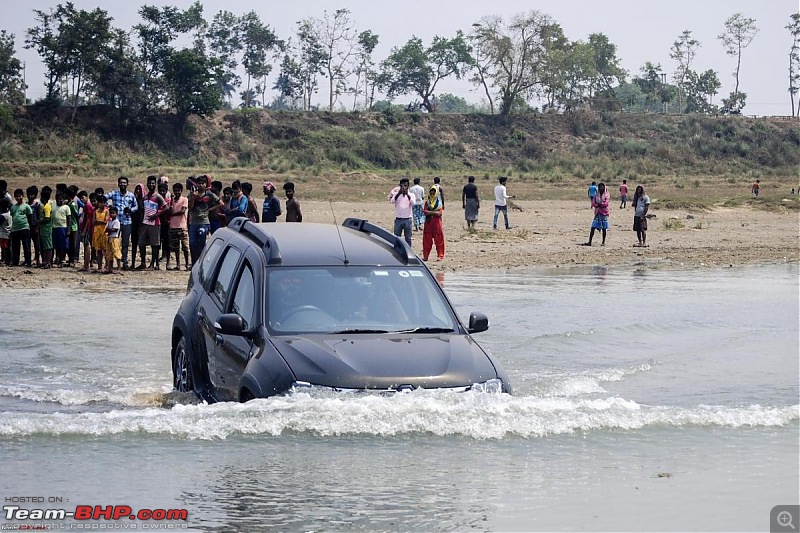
{"points": [[355, 299]]}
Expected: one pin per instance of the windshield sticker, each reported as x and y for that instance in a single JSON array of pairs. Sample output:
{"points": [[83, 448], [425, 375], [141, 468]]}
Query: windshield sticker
{"points": [[416, 274], [380, 272], [403, 274]]}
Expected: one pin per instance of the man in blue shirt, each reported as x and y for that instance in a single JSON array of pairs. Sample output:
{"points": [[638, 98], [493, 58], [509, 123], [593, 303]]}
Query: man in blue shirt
{"points": [[125, 202], [592, 192]]}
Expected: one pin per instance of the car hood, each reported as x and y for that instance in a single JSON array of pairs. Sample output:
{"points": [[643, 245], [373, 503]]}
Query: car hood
{"points": [[386, 361]]}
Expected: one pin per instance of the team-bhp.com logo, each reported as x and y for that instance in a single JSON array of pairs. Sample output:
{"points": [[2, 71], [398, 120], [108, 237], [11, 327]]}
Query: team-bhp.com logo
{"points": [[94, 512]]}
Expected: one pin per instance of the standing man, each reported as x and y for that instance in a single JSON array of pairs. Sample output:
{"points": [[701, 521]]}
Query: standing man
{"points": [[126, 205], [756, 188], [150, 232], [501, 202], [623, 194], [202, 204], [271, 209], [403, 201], [419, 199], [470, 202], [293, 212]]}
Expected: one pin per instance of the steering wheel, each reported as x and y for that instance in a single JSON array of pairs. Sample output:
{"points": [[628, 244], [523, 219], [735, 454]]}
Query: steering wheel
{"points": [[302, 309]]}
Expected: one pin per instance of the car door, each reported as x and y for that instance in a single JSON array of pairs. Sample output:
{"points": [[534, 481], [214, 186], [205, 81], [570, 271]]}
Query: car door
{"points": [[234, 352], [212, 304]]}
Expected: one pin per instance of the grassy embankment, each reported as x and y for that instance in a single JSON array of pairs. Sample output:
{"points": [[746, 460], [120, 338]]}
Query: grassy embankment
{"points": [[688, 161]]}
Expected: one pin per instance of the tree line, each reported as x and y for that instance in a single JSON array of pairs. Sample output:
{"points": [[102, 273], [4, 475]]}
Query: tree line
{"points": [[176, 60]]}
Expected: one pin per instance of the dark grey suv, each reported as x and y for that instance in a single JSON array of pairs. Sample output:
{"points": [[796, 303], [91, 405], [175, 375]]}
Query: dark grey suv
{"points": [[272, 308]]}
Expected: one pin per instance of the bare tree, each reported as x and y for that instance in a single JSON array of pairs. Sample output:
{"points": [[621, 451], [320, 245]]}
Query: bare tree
{"points": [[683, 51], [739, 33], [338, 39], [794, 60]]}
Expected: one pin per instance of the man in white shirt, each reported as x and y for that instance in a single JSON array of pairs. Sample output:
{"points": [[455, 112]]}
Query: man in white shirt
{"points": [[403, 201], [419, 195], [500, 201]]}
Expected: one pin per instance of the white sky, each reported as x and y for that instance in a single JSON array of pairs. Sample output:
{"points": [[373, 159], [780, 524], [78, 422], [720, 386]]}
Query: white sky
{"points": [[643, 30]]}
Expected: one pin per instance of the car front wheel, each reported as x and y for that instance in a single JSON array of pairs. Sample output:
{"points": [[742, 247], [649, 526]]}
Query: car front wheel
{"points": [[183, 375]]}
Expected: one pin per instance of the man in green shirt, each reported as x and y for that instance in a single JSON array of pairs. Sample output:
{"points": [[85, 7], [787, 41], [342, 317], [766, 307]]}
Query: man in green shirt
{"points": [[21, 222]]}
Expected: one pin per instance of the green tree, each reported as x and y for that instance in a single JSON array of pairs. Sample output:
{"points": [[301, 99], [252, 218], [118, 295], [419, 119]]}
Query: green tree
{"points": [[301, 66], [651, 82], [449, 103], [364, 69], [607, 70], [554, 65], [43, 38], [225, 45], [117, 81], [794, 60], [683, 51], [513, 53], [700, 90], [156, 33], [739, 33], [192, 80], [260, 44], [414, 69], [12, 84]]}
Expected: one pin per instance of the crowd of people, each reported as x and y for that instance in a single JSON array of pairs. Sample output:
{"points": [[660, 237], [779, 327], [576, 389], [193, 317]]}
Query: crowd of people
{"points": [[50, 228], [111, 230], [413, 208]]}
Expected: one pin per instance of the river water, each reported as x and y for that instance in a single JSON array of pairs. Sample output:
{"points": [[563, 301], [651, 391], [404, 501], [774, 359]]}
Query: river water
{"points": [[645, 400]]}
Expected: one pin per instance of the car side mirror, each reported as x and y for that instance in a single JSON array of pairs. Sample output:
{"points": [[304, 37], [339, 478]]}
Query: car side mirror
{"points": [[477, 322], [231, 324]]}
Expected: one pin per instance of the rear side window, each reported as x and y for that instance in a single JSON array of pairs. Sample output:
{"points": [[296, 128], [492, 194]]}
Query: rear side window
{"points": [[210, 260], [222, 286]]}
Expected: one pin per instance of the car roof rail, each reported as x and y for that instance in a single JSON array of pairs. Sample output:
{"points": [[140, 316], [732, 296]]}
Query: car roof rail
{"points": [[244, 226], [400, 246]]}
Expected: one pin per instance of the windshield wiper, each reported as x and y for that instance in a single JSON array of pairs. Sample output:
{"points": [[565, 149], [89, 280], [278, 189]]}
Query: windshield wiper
{"points": [[360, 330], [426, 330]]}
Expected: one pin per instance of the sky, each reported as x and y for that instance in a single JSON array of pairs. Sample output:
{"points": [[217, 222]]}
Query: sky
{"points": [[642, 30]]}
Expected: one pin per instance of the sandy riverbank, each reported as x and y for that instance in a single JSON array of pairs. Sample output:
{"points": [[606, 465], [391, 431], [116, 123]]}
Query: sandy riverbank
{"points": [[544, 233]]}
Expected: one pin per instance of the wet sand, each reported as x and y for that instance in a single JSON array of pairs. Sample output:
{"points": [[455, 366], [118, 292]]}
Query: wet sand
{"points": [[544, 233]]}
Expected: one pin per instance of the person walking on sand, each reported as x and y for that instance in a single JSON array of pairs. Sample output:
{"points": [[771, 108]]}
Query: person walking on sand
{"points": [[600, 203], [470, 202], [592, 193], [403, 201], [419, 199], [756, 188], [641, 203], [623, 194], [501, 198], [434, 231], [293, 211]]}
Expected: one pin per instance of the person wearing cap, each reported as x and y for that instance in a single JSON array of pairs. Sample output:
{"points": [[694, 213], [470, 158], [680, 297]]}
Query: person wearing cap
{"points": [[433, 231], [403, 201], [293, 212], [271, 209]]}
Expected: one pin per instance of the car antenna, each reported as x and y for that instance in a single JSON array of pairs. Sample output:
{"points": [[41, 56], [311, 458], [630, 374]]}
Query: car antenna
{"points": [[344, 252]]}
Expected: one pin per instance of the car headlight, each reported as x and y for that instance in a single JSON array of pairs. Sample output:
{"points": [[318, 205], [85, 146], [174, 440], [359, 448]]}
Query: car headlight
{"points": [[492, 386]]}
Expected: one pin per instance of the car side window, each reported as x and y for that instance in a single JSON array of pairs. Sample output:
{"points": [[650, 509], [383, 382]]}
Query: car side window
{"points": [[222, 285], [244, 297], [210, 259]]}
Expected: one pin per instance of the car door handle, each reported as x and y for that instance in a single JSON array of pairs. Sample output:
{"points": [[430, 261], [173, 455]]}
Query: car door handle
{"points": [[218, 340]]}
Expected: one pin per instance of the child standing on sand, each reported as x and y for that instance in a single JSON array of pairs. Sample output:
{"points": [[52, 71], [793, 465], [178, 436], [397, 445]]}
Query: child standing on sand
{"points": [[114, 244], [99, 239]]}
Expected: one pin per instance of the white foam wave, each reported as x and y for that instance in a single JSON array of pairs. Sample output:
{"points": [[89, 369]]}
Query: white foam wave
{"points": [[473, 415], [590, 382], [74, 397]]}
